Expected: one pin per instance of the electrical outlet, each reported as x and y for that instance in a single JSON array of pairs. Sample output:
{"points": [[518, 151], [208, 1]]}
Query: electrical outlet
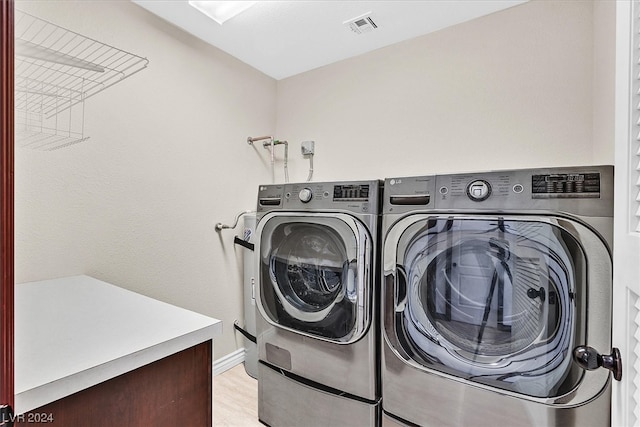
{"points": [[308, 148]]}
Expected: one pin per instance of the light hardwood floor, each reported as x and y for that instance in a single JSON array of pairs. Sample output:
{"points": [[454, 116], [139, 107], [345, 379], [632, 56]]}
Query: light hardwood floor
{"points": [[235, 399]]}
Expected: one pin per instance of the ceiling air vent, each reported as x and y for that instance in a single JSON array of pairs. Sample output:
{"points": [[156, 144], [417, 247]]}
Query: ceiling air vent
{"points": [[361, 24]]}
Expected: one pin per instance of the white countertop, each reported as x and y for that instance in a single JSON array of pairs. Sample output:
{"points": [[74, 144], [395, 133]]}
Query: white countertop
{"points": [[76, 332]]}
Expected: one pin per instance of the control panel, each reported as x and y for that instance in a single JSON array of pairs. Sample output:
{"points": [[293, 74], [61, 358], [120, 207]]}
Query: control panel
{"points": [[354, 196], [583, 190]]}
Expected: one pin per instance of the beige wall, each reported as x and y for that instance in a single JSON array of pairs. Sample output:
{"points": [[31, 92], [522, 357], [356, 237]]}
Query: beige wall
{"points": [[135, 205], [167, 158], [604, 68], [512, 89]]}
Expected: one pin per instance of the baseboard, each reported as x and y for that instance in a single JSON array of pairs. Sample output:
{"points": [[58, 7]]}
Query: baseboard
{"points": [[229, 361]]}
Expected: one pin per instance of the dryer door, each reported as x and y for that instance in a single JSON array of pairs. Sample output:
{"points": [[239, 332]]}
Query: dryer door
{"points": [[315, 275], [499, 301]]}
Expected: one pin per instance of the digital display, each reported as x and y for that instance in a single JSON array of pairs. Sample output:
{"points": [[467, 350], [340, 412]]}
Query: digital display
{"points": [[574, 185], [351, 192]]}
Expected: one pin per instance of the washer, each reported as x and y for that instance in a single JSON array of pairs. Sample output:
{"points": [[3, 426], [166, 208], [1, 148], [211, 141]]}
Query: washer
{"points": [[496, 297], [318, 328]]}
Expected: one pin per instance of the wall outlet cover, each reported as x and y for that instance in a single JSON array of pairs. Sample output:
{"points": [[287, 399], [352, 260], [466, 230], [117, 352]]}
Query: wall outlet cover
{"points": [[308, 148]]}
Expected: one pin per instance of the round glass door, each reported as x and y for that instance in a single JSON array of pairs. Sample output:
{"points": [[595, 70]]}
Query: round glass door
{"points": [[312, 272], [494, 301], [309, 266]]}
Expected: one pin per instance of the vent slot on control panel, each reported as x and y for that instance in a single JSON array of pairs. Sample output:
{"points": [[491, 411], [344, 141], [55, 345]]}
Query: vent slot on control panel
{"points": [[569, 186], [269, 201], [410, 200]]}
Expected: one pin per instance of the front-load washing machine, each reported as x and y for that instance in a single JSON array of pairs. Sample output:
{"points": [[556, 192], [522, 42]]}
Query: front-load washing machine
{"points": [[496, 298], [318, 328]]}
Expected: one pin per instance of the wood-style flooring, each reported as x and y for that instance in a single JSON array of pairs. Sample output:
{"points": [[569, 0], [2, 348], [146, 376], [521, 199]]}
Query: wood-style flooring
{"points": [[235, 399]]}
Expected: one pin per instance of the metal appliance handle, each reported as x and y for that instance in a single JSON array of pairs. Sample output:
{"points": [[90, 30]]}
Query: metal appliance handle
{"points": [[589, 359], [351, 273], [400, 289]]}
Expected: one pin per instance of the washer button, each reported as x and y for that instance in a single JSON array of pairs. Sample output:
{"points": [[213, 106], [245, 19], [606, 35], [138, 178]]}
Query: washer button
{"points": [[518, 188]]}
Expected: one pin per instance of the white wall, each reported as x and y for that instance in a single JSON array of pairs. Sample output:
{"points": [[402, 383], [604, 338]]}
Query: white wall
{"points": [[509, 90], [167, 158]]}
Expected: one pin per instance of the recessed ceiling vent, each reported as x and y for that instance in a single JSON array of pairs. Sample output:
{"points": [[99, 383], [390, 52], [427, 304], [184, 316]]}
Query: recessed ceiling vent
{"points": [[361, 24]]}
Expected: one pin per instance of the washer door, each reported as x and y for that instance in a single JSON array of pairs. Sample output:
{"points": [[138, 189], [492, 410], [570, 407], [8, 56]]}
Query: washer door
{"points": [[314, 275], [494, 300]]}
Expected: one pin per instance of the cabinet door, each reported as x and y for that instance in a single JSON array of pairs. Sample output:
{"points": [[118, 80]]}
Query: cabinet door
{"points": [[626, 277]]}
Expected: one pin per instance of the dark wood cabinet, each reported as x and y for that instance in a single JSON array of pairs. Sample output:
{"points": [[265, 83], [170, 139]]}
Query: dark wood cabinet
{"points": [[173, 391]]}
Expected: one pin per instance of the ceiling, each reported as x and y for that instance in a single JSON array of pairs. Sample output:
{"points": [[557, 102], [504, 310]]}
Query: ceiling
{"points": [[284, 38]]}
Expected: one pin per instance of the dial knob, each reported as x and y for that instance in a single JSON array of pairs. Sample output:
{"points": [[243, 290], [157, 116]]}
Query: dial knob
{"points": [[305, 195], [479, 190]]}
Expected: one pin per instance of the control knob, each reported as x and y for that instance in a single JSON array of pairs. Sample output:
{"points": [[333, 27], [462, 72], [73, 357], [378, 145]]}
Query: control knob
{"points": [[479, 190], [305, 195]]}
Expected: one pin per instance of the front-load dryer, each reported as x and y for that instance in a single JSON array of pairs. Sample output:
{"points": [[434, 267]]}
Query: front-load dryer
{"points": [[496, 298], [318, 328]]}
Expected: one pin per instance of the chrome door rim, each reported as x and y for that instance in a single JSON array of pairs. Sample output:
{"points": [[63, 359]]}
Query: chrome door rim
{"points": [[363, 285], [598, 324]]}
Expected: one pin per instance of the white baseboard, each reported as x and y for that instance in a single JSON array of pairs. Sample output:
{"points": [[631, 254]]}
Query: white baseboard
{"points": [[229, 361]]}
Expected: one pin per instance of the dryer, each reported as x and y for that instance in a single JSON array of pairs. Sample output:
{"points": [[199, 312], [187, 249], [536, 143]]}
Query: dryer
{"points": [[496, 297], [318, 323]]}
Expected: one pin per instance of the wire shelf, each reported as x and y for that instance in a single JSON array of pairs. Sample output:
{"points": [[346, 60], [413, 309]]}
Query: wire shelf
{"points": [[56, 70]]}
